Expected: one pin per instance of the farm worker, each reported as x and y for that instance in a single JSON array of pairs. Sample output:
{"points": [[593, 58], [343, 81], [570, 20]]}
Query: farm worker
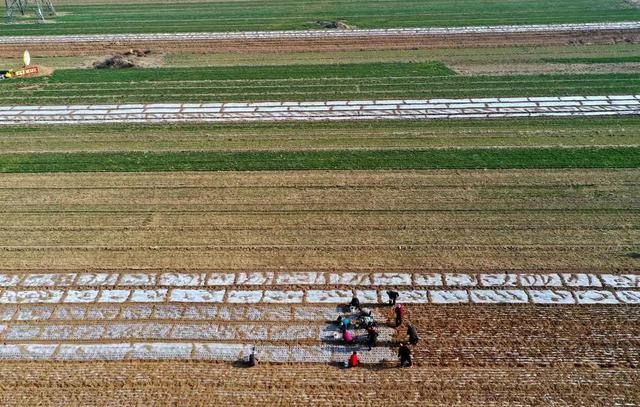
{"points": [[355, 303], [367, 321], [372, 337], [393, 296], [399, 311], [347, 337], [344, 323], [253, 360], [413, 334], [354, 360], [404, 353]]}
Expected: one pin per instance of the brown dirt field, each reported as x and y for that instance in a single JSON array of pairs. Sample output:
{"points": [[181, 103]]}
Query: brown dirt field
{"points": [[529, 334], [342, 44], [534, 220], [318, 236], [316, 221], [612, 259], [322, 220], [536, 69], [451, 335], [202, 383], [295, 179]]}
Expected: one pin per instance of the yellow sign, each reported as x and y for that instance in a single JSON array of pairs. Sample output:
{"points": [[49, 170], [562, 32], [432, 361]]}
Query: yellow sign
{"points": [[26, 71]]}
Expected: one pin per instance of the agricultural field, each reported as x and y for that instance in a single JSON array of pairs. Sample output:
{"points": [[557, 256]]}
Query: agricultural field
{"points": [[79, 17], [391, 80], [226, 195]]}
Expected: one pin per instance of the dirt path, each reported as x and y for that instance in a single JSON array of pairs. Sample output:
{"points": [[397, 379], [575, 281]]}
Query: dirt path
{"points": [[102, 47]]}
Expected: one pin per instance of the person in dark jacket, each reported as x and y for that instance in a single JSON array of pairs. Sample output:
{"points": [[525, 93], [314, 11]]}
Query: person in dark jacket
{"points": [[399, 311], [404, 353], [413, 334], [372, 337], [355, 303], [253, 359], [366, 319], [393, 296]]}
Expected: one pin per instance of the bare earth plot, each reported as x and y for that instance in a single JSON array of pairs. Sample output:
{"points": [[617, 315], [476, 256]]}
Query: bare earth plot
{"points": [[361, 197], [111, 383], [328, 44], [128, 267]]}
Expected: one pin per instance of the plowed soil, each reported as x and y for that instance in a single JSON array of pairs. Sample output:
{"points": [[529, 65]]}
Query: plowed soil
{"points": [[330, 44], [452, 220], [528, 335], [202, 383]]}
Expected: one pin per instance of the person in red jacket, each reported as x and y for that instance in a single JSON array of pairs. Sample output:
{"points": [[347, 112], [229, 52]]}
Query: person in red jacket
{"points": [[354, 360]]}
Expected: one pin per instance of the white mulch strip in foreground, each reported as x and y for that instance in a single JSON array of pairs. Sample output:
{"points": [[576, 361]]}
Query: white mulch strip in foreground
{"points": [[475, 108], [147, 324], [133, 335], [193, 351], [320, 34]]}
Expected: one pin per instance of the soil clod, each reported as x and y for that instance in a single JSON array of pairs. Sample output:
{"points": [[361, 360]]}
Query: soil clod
{"points": [[334, 25]]}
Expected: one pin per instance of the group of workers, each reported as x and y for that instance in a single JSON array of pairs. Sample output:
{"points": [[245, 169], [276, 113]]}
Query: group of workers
{"points": [[365, 320]]}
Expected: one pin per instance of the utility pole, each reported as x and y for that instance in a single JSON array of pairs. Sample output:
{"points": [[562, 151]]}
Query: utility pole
{"points": [[23, 7]]}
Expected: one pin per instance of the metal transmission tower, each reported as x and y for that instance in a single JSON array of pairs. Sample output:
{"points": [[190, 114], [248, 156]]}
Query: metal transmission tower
{"points": [[37, 7]]}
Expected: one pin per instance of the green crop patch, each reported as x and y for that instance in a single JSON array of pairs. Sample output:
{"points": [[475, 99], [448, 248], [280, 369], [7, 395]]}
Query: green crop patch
{"points": [[594, 60], [371, 70], [299, 82], [328, 135], [77, 17], [490, 158]]}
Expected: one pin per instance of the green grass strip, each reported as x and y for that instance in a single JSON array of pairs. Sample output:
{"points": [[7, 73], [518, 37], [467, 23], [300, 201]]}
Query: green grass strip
{"points": [[594, 60], [298, 83], [490, 158], [380, 69], [77, 17]]}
